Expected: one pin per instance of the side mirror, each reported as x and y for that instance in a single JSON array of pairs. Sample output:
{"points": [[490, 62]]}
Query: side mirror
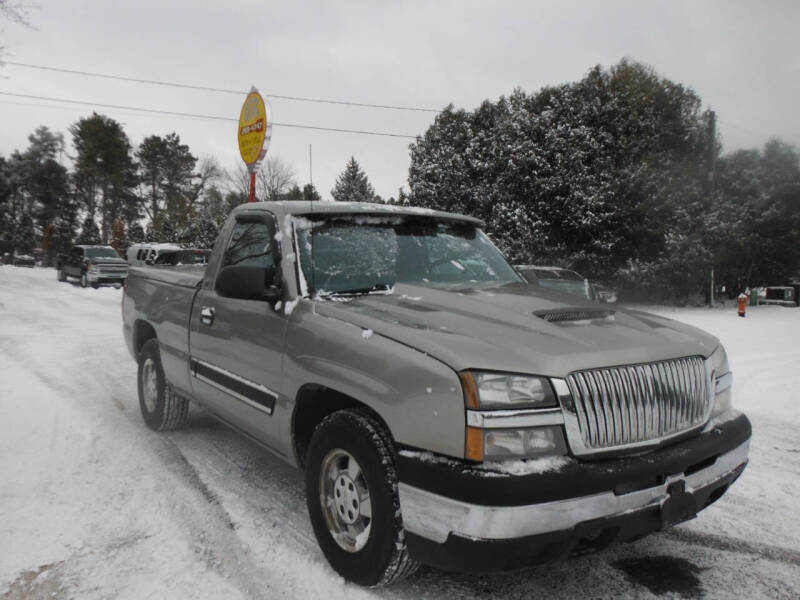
{"points": [[248, 283]]}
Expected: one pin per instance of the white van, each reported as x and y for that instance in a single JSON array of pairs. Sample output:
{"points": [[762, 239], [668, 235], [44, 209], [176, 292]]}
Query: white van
{"points": [[147, 253]]}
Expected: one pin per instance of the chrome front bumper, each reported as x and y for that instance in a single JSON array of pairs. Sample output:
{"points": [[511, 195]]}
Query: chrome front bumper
{"points": [[435, 517]]}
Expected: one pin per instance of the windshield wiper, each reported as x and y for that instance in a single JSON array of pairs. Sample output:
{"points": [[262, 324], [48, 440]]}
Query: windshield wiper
{"points": [[378, 289]]}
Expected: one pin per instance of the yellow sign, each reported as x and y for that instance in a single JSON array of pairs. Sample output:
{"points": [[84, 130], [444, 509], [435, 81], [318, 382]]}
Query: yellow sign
{"points": [[255, 126]]}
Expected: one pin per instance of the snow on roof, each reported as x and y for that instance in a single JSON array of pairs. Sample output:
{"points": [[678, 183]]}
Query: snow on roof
{"points": [[304, 207]]}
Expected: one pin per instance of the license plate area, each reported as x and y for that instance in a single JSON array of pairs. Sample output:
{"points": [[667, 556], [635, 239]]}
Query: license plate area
{"points": [[679, 505]]}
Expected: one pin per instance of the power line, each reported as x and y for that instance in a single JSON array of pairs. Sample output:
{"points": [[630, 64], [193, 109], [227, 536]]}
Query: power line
{"points": [[217, 90], [201, 116]]}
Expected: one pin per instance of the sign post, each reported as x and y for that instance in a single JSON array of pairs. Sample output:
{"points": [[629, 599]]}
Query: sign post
{"points": [[254, 134]]}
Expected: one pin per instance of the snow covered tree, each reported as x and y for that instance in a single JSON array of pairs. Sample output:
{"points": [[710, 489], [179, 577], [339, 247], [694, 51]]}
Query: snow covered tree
{"points": [[90, 234], [352, 185], [592, 174]]}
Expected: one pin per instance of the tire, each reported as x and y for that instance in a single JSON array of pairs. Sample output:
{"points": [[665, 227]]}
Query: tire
{"points": [[84, 280], [162, 409], [61, 275], [95, 285], [370, 549]]}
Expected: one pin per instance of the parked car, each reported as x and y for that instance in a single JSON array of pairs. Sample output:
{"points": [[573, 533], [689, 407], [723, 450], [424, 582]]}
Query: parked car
{"points": [[605, 294], [561, 280], [24, 260], [147, 253], [186, 256], [445, 411], [92, 265]]}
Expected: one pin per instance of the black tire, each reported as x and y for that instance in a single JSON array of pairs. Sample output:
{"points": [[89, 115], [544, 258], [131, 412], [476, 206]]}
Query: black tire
{"points": [[84, 280], [384, 559], [61, 275], [164, 410], [95, 285]]}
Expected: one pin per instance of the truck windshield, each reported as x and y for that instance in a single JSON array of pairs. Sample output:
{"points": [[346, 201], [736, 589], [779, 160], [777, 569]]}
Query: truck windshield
{"points": [[101, 253], [357, 254]]}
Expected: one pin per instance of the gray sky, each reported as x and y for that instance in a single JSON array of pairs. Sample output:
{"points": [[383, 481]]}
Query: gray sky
{"points": [[741, 57]]}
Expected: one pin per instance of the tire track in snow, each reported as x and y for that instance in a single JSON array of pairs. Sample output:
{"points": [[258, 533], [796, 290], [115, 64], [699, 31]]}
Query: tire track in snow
{"points": [[210, 529]]}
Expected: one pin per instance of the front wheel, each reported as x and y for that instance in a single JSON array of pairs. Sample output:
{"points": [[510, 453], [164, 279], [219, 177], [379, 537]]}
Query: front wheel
{"points": [[351, 492], [84, 280], [62, 276], [162, 409]]}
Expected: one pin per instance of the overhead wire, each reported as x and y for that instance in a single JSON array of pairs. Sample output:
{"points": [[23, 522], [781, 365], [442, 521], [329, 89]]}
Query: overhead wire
{"points": [[202, 116], [189, 86]]}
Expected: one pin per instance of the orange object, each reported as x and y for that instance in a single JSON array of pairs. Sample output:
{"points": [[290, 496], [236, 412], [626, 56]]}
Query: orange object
{"points": [[474, 446], [742, 301]]}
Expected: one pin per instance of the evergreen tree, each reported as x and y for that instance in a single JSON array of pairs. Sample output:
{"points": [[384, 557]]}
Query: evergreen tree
{"points": [[90, 234], [104, 170], [295, 193], [310, 193], [608, 175], [352, 185]]}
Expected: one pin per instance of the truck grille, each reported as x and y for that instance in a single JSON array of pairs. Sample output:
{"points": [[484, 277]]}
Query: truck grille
{"points": [[113, 270], [619, 406]]}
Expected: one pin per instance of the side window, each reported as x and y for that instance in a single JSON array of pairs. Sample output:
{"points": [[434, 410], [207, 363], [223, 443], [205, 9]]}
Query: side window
{"points": [[77, 252], [251, 244]]}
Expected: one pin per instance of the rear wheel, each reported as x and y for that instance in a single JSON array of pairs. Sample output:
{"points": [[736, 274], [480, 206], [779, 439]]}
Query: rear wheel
{"points": [[162, 409], [351, 492]]}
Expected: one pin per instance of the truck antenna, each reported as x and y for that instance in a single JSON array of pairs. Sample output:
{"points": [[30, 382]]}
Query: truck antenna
{"points": [[311, 233]]}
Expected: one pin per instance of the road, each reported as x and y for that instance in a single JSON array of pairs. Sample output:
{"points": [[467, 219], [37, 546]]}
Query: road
{"points": [[95, 505]]}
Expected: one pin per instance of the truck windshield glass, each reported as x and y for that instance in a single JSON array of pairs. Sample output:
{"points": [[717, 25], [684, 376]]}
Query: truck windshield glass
{"points": [[101, 253], [364, 253]]}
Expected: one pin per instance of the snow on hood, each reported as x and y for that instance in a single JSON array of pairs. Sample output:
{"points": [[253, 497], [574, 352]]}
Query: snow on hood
{"points": [[503, 329]]}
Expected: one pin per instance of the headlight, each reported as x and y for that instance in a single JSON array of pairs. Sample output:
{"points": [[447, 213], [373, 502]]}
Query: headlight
{"points": [[506, 391], [499, 444], [525, 418], [92, 267], [722, 382]]}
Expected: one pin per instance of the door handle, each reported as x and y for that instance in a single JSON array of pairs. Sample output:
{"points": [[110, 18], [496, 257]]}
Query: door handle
{"points": [[207, 315]]}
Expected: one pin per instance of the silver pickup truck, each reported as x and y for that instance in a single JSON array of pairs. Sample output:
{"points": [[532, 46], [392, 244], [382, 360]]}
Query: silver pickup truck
{"points": [[444, 410]]}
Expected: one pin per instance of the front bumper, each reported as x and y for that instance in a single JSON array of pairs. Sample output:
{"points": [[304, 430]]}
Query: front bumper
{"points": [[462, 519], [95, 277]]}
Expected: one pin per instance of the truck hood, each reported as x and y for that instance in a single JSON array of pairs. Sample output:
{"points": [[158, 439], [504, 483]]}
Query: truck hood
{"points": [[107, 260], [517, 328]]}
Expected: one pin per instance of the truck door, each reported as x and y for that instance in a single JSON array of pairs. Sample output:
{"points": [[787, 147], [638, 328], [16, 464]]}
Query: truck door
{"points": [[74, 266], [236, 346]]}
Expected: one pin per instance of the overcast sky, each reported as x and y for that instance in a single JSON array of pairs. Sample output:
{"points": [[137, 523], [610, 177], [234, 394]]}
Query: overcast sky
{"points": [[743, 58]]}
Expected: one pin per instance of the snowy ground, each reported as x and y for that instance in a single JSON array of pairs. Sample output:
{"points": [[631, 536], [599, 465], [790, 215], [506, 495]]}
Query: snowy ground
{"points": [[94, 505]]}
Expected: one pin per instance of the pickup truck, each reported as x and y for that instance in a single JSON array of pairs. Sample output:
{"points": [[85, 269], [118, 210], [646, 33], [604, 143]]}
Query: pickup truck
{"points": [[445, 411], [92, 265]]}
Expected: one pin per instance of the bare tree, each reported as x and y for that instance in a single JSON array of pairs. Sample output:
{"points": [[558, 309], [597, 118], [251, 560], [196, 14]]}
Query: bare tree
{"points": [[16, 12], [273, 179]]}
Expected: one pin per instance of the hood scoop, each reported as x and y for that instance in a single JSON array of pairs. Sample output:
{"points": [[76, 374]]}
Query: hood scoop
{"points": [[575, 316]]}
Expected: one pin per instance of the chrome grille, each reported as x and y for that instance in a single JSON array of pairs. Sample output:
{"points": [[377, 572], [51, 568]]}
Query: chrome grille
{"points": [[629, 405], [112, 269]]}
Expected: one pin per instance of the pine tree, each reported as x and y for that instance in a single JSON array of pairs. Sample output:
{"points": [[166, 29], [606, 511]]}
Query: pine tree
{"points": [[352, 185], [90, 233]]}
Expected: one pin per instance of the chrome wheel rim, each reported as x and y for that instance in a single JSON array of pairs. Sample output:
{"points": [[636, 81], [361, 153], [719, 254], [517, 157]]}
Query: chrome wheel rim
{"points": [[345, 500], [149, 385]]}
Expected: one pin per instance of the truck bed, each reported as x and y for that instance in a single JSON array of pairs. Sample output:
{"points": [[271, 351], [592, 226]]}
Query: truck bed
{"points": [[187, 276]]}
